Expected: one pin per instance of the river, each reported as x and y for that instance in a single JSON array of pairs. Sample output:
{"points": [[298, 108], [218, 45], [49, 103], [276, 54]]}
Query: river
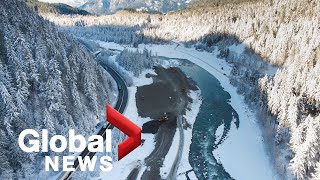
{"points": [[215, 111]]}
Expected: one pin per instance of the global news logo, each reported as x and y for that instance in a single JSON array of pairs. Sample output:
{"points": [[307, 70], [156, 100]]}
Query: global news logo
{"points": [[87, 159]]}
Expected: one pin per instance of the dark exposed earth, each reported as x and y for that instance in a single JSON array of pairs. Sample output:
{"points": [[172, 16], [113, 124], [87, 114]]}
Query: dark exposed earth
{"points": [[168, 94]]}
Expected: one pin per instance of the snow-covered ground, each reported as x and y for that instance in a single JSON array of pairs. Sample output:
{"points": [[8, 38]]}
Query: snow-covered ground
{"points": [[190, 117], [171, 156], [242, 154], [110, 45], [121, 169]]}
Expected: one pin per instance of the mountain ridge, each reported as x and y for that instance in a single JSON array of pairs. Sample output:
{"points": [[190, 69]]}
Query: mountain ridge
{"points": [[111, 6], [56, 8]]}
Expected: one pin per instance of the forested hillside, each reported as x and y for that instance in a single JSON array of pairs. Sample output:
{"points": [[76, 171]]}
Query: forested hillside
{"points": [[281, 33], [47, 81], [57, 8], [275, 29]]}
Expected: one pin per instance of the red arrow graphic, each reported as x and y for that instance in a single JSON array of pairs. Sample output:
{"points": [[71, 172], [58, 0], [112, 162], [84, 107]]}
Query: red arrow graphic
{"points": [[127, 127]]}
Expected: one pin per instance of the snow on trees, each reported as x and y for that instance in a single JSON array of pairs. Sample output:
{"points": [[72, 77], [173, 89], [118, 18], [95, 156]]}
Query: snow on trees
{"points": [[136, 62], [281, 33], [42, 86]]}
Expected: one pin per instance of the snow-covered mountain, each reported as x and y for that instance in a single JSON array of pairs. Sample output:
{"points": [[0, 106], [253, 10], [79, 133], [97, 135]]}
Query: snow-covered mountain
{"points": [[55, 8], [96, 6], [107, 6], [74, 3]]}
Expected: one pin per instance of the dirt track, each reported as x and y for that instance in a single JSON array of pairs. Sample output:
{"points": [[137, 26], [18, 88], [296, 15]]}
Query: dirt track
{"points": [[168, 94]]}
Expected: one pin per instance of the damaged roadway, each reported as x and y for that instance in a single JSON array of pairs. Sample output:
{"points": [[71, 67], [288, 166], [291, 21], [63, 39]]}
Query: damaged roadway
{"points": [[167, 94]]}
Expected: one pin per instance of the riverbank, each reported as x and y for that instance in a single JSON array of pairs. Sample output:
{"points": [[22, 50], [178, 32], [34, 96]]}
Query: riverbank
{"points": [[163, 101], [174, 93], [243, 153]]}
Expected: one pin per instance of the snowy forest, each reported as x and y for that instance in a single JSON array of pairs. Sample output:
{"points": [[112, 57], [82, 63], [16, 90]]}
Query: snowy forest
{"points": [[47, 81], [142, 61], [282, 34]]}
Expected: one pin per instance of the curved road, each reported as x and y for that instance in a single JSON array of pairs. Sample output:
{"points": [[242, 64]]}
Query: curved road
{"points": [[120, 106]]}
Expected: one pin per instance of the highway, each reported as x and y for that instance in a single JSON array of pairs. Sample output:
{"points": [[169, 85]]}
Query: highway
{"points": [[120, 106]]}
